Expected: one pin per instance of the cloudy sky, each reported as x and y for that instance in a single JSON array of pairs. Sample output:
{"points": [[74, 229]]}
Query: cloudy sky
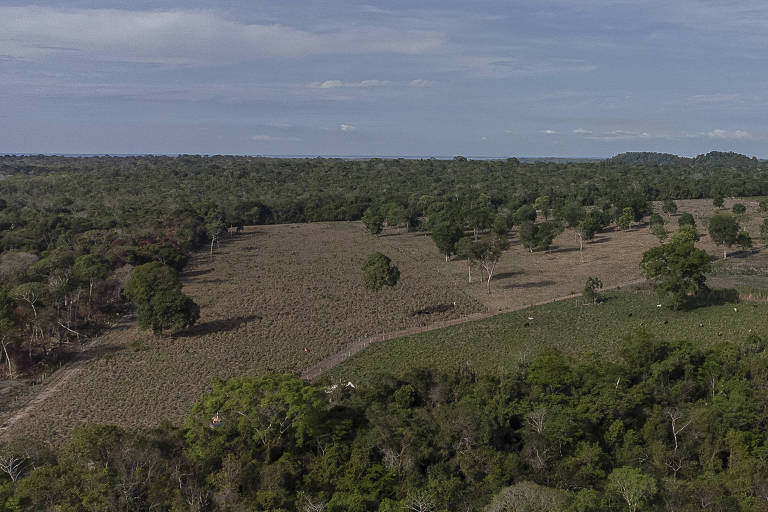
{"points": [[338, 77]]}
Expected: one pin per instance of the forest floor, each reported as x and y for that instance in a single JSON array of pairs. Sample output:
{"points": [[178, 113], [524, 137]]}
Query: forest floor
{"points": [[286, 298]]}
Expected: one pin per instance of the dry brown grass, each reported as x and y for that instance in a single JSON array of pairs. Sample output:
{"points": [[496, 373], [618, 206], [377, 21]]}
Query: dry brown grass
{"points": [[282, 298]]}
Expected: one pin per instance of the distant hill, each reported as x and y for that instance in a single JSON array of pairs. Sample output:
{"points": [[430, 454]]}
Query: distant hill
{"points": [[722, 159], [649, 158], [711, 159]]}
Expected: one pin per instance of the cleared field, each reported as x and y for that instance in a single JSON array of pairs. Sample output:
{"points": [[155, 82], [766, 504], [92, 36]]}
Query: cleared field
{"points": [[497, 345], [283, 298], [276, 298]]}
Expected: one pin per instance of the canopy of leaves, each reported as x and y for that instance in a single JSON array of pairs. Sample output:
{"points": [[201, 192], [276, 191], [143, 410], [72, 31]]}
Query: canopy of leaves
{"points": [[378, 272], [677, 270]]}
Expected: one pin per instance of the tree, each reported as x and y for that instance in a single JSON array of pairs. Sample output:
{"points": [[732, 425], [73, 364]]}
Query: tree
{"points": [[529, 497], [676, 269], [445, 235], [539, 236], [590, 289], [762, 206], [525, 213], [378, 272], [488, 253], [156, 290], [395, 215], [669, 206], [686, 219], [468, 249], [373, 221], [500, 226], [479, 218], [586, 230], [168, 309], [632, 485], [743, 240], [724, 230], [626, 218], [764, 232], [214, 227], [718, 201], [659, 231], [571, 213], [90, 268], [686, 233], [739, 209], [542, 203], [546, 234], [7, 328], [148, 279]]}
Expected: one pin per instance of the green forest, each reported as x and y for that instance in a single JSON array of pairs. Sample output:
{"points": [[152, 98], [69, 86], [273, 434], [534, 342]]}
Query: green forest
{"points": [[667, 426]]}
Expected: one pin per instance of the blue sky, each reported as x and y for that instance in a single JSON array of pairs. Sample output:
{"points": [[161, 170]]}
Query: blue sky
{"points": [[484, 78]]}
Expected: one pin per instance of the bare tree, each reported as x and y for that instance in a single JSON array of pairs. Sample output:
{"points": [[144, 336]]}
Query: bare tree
{"points": [[677, 423], [419, 501], [12, 463]]}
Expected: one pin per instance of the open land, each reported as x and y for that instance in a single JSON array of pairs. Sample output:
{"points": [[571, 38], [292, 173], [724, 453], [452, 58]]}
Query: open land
{"points": [[282, 298]]}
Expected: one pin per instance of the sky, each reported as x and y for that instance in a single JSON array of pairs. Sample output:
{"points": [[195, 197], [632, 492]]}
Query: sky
{"points": [[570, 78]]}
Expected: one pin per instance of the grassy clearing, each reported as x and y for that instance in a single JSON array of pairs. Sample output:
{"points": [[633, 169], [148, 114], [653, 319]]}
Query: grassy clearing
{"points": [[497, 345], [277, 298]]}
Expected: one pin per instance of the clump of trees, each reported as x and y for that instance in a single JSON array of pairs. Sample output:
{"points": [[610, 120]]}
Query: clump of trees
{"points": [[156, 290]]}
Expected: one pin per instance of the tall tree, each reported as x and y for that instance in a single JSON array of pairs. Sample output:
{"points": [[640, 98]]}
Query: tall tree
{"points": [[676, 269], [724, 230]]}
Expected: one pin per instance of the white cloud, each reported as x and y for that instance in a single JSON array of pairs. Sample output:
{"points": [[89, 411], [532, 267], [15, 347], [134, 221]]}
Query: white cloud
{"points": [[420, 83], [186, 37], [347, 128], [549, 132], [333, 84], [582, 131], [272, 138], [619, 135], [728, 134]]}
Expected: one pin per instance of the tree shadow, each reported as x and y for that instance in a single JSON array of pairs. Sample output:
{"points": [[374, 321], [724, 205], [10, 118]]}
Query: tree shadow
{"points": [[530, 284], [712, 297], [222, 325], [558, 250], [600, 240], [505, 275], [195, 273]]}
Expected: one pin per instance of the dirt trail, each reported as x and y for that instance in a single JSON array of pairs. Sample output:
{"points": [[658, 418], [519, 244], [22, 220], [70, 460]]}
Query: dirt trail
{"points": [[58, 379], [315, 371]]}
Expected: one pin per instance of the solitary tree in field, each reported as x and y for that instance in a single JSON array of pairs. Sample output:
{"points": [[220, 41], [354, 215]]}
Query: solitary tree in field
{"points": [[739, 209], [724, 230], [669, 206], [378, 272], [676, 269], [590, 289], [762, 206], [718, 201]]}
